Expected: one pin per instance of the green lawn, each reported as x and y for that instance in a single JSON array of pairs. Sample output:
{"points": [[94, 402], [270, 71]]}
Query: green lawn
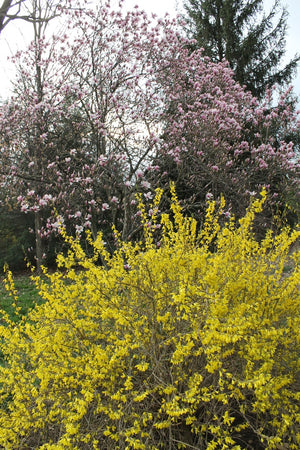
{"points": [[27, 296]]}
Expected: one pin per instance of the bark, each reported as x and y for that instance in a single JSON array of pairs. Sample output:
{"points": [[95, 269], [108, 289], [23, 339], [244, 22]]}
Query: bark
{"points": [[38, 241], [4, 12]]}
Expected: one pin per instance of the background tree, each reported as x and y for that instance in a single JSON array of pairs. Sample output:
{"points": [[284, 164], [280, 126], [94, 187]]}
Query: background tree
{"points": [[218, 139], [116, 105], [236, 31], [33, 11], [28, 153], [82, 127], [9, 10]]}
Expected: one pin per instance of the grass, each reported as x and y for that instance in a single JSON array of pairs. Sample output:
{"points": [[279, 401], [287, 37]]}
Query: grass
{"points": [[27, 293], [28, 298]]}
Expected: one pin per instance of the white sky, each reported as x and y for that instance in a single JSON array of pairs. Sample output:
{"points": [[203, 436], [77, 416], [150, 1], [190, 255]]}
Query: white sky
{"points": [[14, 35]]}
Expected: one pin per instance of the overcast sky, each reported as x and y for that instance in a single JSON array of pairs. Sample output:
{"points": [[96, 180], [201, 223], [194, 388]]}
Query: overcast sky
{"points": [[15, 34]]}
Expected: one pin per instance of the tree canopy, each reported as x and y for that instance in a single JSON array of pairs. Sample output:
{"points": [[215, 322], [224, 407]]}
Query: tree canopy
{"points": [[253, 42], [117, 105]]}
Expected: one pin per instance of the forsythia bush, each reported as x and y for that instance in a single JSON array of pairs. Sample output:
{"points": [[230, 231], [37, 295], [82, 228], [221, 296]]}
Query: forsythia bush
{"points": [[191, 344]]}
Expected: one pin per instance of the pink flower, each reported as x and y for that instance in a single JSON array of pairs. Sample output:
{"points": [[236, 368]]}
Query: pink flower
{"points": [[115, 200], [148, 196], [24, 207], [146, 184], [42, 202], [77, 214], [263, 164], [105, 206], [79, 229]]}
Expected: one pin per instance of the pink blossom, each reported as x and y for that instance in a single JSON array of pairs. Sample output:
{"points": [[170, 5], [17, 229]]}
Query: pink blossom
{"points": [[24, 207], [105, 206], [79, 229], [115, 199], [263, 164], [148, 195], [43, 202], [145, 184]]}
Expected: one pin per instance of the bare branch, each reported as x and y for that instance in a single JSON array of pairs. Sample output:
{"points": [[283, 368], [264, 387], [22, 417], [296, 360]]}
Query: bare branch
{"points": [[5, 8]]}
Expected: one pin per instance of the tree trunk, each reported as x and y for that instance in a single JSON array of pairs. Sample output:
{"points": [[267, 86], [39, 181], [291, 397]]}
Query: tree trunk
{"points": [[3, 12], [38, 241]]}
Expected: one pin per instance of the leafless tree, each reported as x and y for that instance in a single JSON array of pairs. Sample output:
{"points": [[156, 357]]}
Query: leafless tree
{"points": [[9, 10], [29, 10]]}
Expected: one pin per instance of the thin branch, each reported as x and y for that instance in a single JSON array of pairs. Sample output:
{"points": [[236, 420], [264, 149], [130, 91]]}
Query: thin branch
{"points": [[5, 17]]}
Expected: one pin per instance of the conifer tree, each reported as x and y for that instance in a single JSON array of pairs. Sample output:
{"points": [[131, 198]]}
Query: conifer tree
{"points": [[239, 31]]}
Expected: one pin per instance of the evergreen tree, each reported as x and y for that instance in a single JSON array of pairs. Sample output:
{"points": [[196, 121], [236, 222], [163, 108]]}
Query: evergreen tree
{"points": [[240, 32]]}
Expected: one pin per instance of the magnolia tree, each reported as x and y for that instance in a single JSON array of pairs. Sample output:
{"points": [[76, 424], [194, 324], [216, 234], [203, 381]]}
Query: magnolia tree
{"points": [[115, 106], [84, 124], [25, 149], [218, 139]]}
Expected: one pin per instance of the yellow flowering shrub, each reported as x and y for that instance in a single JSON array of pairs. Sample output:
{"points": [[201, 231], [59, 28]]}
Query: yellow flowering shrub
{"points": [[194, 344]]}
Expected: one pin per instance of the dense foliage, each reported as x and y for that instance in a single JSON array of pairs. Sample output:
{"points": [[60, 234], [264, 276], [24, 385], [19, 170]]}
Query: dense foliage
{"points": [[237, 31], [170, 346]]}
